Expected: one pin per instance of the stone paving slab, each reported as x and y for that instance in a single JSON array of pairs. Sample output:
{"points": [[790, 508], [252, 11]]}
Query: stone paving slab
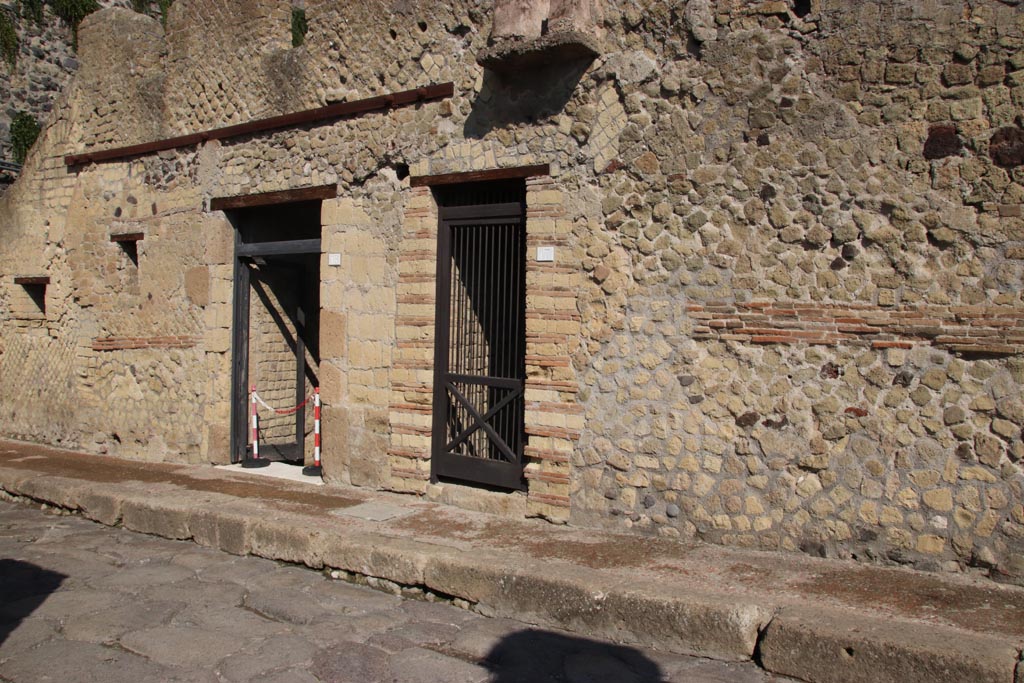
{"points": [[678, 597], [209, 636]]}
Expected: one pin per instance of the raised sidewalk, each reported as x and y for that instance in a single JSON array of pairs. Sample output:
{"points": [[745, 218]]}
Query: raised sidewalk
{"points": [[818, 620]]}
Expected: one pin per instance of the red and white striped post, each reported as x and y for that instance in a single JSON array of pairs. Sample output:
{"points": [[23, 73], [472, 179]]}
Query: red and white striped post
{"points": [[255, 425], [254, 461], [315, 470]]}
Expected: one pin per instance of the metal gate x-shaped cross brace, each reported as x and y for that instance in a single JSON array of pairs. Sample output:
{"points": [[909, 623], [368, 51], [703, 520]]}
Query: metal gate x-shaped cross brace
{"points": [[480, 421]]}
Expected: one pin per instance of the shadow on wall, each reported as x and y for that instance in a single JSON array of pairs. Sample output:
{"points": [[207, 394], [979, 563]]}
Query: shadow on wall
{"points": [[535, 94], [23, 588], [534, 656]]}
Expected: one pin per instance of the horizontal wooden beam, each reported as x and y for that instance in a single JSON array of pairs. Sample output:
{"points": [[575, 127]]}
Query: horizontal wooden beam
{"points": [[281, 248], [32, 280], [302, 194], [331, 111], [507, 210], [128, 237], [478, 176]]}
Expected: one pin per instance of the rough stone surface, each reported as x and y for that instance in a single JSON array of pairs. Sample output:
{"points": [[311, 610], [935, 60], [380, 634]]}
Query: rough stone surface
{"points": [[75, 628], [684, 597], [741, 194], [798, 642], [46, 61]]}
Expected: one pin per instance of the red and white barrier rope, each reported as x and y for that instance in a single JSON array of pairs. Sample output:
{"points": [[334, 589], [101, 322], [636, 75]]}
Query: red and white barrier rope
{"points": [[279, 411]]}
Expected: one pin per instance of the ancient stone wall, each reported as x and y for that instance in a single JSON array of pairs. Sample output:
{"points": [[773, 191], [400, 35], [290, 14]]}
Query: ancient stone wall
{"points": [[46, 61], [784, 309], [806, 328]]}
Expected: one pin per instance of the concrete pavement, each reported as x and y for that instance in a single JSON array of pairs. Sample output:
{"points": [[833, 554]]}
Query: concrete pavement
{"points": [[818, 620]]}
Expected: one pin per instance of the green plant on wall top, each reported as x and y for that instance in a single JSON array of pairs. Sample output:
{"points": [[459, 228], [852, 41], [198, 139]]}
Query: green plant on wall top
{"points": [[165, 6], [8, 40], [300, 27], [24, 131], [144, 7], [72, 12], [31, 9]]}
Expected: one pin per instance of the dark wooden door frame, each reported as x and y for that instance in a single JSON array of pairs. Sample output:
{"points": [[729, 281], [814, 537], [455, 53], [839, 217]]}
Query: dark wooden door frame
{"points": [[506, 474], [241, 300]]}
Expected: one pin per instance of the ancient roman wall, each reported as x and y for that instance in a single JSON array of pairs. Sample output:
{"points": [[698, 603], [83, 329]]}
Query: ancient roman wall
{"points": [[803, 326], [45, 62], [785, 307]]}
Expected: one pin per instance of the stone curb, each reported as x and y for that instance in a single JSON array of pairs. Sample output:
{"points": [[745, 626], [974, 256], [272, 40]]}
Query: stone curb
{"points": [[821, 645], [799, 640]]}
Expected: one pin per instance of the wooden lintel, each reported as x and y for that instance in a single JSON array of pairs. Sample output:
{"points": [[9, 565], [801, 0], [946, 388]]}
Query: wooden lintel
{"points": [[128, 237], [477, 176], [331, 111], [32, 280], [281, 248], [301, 194]]}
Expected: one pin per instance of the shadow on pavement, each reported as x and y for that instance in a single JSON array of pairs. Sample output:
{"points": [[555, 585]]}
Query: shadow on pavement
{"points": [[535, 656], [23, 587]]}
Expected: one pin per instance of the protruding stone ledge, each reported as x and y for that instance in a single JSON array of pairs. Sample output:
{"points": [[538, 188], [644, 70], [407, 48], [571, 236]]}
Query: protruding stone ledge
{"points": [[511, 56]]}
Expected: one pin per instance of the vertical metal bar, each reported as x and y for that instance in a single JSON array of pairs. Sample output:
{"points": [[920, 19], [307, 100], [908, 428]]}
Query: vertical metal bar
{"points": [[239, 358], [505, 307], [456, 327], [456, 349], [467, 325], [519, 338], [481, 339], [461, 283], [300, 380], [442, 292], [492, 339]]}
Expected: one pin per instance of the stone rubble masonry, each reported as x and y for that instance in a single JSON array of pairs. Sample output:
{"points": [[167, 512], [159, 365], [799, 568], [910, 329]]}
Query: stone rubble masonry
{"points": [[46, 62], [781, 314]]}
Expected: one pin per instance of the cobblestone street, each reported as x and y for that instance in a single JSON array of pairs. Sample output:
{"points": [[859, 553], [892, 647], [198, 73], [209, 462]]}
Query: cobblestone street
{"points": [[83, 602]]}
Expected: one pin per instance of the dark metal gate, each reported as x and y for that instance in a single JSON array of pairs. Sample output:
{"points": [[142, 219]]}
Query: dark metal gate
{"points": [[480, 365]]}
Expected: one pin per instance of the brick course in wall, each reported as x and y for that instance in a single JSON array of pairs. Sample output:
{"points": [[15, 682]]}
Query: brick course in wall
{"points": [[127, 343], [995, 330], [553, 419], [412, 383]]}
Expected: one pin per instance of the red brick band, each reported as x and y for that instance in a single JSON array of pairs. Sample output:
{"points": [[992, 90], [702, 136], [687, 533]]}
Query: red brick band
{"points": [[995, 330]]}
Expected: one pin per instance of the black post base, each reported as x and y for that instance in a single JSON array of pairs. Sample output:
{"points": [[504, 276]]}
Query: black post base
{"points": [[252, 463], [313, 470]]}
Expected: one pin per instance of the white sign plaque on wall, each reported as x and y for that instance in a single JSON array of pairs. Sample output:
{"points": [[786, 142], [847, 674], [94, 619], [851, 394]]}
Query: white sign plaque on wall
{"points": [[334, 259], [545, 254]]}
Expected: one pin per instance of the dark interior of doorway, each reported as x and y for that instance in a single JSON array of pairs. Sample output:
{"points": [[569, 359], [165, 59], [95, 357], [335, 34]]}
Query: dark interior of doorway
{"points": [[275, 327]]}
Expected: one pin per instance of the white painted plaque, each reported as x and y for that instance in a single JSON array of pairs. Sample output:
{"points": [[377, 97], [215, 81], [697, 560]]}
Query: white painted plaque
{"points": [[334, 259], [545, 253]]}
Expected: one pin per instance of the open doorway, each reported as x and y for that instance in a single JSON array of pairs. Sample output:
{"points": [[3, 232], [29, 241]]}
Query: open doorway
{"points": [[275, 329]]}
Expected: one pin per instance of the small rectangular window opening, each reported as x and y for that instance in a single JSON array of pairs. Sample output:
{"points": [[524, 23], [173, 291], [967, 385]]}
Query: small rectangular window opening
{"points": [[35, 289], [129, 243]]}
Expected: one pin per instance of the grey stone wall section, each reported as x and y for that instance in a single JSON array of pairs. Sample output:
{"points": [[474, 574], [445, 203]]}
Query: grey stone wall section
{"points": [[46, 62]]}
